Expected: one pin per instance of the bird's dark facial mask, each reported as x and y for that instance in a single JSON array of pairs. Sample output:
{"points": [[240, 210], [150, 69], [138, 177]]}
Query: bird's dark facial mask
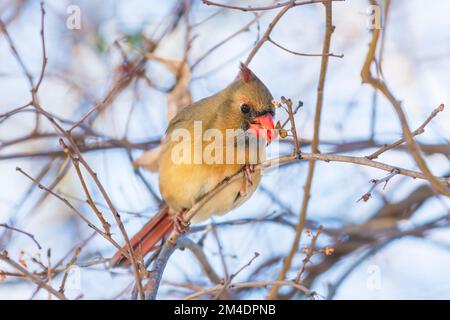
{"points": [[263, 127]]}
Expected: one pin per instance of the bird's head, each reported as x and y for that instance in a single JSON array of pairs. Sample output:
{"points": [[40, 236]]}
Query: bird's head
{"points": [[249, 105]]}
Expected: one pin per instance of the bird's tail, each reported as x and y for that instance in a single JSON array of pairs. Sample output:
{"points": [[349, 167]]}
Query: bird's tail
{"points": [[147, 238]]}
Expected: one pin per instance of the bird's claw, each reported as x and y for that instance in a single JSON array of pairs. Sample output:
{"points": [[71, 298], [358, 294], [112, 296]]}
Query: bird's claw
{"points": [[180, 225], [247, 171]]}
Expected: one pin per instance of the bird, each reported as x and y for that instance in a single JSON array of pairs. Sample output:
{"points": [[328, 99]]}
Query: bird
{"points": [[244, 107]]}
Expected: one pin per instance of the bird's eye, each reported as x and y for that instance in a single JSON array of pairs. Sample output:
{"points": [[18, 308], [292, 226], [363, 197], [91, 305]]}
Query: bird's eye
{"points": [[245, 108]]}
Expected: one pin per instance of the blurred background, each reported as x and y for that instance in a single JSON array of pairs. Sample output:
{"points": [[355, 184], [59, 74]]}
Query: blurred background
{"points": [[143, 60]]}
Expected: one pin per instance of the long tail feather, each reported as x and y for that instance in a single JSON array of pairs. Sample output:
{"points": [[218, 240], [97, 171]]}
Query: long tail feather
{"points": [[146, 239]]}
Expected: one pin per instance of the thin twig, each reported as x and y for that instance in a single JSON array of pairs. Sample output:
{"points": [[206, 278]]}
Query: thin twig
{"points": [[105, 224], [288, 103], [416, 132], [16, 53], [231, 36], [263, 8], [185, 242], [304, 54], [66, 272], [266, 35], [44, 50], [234, 275], [49, 271], [6, 226], [375, 183], [309, 254]]}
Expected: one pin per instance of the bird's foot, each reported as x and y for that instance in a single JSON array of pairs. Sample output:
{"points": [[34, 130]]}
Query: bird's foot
{"points": [[180, 225], [247, 171]]}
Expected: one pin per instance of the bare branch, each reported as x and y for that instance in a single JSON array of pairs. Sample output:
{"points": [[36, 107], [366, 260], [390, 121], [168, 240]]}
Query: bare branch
{"points": [[5, 258]]}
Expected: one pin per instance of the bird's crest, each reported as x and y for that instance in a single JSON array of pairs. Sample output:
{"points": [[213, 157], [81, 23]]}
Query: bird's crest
{"points": [[245, 73]]}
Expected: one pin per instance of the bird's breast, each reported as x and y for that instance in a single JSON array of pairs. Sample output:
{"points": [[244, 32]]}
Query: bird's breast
{"points": [[183, 181]]}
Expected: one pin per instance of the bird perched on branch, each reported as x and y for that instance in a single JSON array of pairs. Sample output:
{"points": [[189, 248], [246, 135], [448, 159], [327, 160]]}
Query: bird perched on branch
{"points": [[234, 125]]}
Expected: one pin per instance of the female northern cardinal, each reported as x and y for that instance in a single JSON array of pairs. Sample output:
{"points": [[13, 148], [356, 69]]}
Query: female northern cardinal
{"points": [[245, 104]]}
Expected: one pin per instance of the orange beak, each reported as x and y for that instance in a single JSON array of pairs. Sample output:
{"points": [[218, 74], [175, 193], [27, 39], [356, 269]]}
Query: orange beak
{"points": [[264, 128]]}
